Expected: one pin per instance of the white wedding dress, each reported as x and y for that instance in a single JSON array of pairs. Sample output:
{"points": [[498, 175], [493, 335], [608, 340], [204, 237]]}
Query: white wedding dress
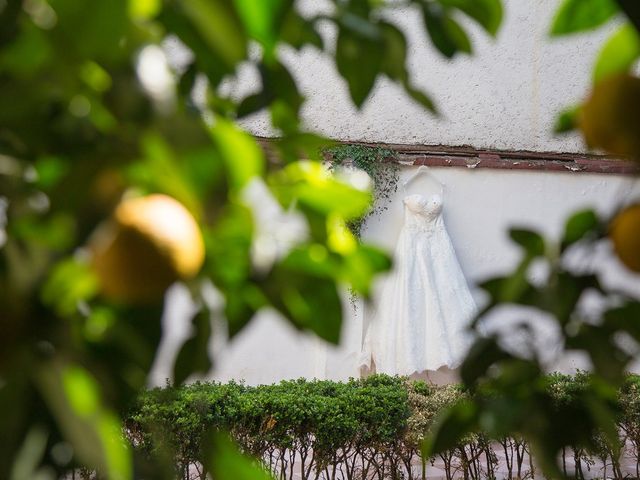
{"points": [[420, 320]]}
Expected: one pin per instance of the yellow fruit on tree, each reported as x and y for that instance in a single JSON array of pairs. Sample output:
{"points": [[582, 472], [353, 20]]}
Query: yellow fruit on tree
{"points": [[610, 119], [149, 243], [625, 235]]}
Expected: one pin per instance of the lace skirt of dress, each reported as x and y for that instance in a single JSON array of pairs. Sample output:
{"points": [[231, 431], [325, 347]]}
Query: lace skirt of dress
{"points": [[420, 319]]}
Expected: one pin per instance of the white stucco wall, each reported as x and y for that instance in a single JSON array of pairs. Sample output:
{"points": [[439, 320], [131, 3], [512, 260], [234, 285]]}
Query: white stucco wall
{"points": [[506, 96], [480, 205]]}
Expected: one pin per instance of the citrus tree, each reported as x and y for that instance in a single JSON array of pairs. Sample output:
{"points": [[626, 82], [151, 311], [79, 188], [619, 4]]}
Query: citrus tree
{"points": [[123, 172], [511, 393]]}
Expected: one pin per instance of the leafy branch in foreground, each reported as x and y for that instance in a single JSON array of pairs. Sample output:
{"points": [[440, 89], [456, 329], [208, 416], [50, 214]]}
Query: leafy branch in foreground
{"points": [[510, 390], [607, 118], [509, 383], [95, 114]]}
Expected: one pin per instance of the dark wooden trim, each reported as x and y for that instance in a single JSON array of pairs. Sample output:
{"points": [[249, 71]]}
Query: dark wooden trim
{"points": [[497, 161], [469, 157]]}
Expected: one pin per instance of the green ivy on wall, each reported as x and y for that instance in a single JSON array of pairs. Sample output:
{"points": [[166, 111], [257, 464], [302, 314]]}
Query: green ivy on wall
{"points": [[379, 163]]}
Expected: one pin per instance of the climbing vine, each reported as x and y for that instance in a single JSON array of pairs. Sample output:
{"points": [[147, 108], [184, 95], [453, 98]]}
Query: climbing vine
{"points": [[377, 163]]}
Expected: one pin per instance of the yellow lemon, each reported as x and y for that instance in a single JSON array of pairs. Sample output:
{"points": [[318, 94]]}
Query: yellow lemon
{"points": [[610, 119], [149, 243], [625, 235]]}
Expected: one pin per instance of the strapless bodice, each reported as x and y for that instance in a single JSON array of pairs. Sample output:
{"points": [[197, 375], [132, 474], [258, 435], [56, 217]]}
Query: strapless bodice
{"points": [[421, 212]]}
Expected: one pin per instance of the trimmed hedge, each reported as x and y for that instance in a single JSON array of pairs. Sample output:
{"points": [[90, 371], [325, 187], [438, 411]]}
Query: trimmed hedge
{"points": [[368, 428]]}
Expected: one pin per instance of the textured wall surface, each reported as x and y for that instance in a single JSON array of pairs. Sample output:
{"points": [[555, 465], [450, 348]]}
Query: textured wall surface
{"points": [[505, 96], [480, 205]]}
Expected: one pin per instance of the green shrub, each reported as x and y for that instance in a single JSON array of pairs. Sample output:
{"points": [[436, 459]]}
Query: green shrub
{"points": [[366, 428]]}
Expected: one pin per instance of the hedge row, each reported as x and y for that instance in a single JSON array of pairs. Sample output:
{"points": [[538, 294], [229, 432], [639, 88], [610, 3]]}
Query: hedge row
{"points": [[368, 428]]}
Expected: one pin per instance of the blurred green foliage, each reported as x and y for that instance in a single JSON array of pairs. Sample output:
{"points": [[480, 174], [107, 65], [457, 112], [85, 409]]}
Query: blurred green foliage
{"points": [[511, 394], [93, 109], [619, 53]]}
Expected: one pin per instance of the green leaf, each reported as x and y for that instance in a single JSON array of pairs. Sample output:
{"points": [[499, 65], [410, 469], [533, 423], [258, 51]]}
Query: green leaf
{"points": [[362, 265], [228, 262], [219, 26], [484, 353], [452, 426], [253, 103], [487, 13], [228, 246], [69, 283], [278, 83], [92, 34], [9, 16], [445, 33], [29, 53], [358, 61], [262, 19], [50, 171], [209, 61], [578, 226], [420, 97], [395, 52], [241, 153], [625, 318], [298, 31], [56, 231], [609, 360], [310, 301], [514, 288], [357, 268], [434, 22], [204, 171], [98, 324], [532, 242], [95, 433], [127, 338], [144, 9], [606, 419], [160, 171], [564, 292], [394, 63], [311, 185], [619, 53], [631, 9], [188, 80], [284, 118], [96, 77], [295, 146], [580, 15], [458, 35], [568, 120], [193, 356], [242, 303], [226, 462], [505, 397]]}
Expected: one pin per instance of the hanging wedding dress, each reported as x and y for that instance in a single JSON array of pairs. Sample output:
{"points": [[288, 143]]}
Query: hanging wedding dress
{"points": [[420, 320]]}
